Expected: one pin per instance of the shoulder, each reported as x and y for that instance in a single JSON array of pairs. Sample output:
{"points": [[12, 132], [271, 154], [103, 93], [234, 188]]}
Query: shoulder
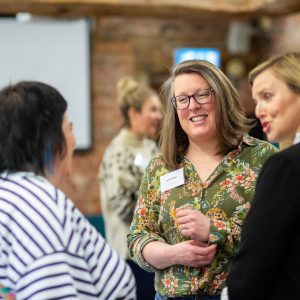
{"points": [[35, 198], [114, 151], [114, 144], [28, 186], [150, 143], [157, 166], [257, 143], [257, 147], [288, 157], [157, 160], [292, 152], [280, 173]]}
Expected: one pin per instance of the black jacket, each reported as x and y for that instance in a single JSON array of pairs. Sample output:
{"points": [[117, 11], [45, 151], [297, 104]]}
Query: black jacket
{"points": [[267, 266]]}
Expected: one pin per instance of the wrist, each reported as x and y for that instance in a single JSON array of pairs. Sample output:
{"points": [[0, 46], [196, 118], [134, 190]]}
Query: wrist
{"points": [[169, 255], [207, 230]]}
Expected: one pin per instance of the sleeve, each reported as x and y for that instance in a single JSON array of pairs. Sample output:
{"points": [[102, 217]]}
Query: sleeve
{"points": [[119, 184], [266, 232], [227, 233], [144, 227]]}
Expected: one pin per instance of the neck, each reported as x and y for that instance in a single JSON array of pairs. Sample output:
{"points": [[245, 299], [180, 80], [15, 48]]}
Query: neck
{"points": [[205, 149], [135, 133], [54, 176]]}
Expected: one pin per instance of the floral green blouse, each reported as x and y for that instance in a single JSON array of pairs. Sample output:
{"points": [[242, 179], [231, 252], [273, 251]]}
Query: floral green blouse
{"points": [[225, 198]]}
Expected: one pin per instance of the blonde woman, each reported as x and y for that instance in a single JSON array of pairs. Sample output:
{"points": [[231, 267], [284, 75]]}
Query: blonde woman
{"points": [[267, 265], [123, 165]]}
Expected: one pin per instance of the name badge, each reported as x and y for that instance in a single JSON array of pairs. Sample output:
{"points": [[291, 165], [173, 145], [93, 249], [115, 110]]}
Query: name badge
{"points": [[171, 180]]}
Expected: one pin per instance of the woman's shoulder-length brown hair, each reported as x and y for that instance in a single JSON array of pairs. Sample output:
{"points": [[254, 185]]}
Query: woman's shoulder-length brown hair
{"points": [[231, 121]]}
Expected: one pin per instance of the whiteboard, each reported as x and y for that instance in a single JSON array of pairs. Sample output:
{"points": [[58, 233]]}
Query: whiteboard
{"points": [[56, 52]]}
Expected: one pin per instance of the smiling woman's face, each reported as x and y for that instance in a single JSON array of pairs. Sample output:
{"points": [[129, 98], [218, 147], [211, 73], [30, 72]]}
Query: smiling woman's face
{"points": [[197, 120], [277, 107]]}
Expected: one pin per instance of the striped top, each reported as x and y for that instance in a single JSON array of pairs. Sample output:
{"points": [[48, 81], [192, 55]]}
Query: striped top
{"points": [[48, 249]]}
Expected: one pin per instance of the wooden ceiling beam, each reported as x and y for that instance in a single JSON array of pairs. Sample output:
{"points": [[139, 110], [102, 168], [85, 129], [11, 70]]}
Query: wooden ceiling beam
{"points": [[151, 8]]}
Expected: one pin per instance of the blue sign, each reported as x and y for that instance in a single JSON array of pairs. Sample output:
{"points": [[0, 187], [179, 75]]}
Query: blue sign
{"points": [[210, 54]]}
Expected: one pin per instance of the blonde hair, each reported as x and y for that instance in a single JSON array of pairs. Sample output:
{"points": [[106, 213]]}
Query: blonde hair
{"points": [[285, 66], [132, 94], [231, 121]]}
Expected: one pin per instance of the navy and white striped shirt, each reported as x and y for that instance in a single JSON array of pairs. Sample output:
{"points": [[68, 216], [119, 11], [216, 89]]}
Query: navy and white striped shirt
{"points": [[48, 249]]}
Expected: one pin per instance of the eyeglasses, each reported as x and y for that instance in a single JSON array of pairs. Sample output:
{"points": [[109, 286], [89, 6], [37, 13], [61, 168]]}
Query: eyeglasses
{"points": [[201, 97]]}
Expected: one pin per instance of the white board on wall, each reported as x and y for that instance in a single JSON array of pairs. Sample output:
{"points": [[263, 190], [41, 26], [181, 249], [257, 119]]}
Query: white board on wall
{"points": [[56, 52]]}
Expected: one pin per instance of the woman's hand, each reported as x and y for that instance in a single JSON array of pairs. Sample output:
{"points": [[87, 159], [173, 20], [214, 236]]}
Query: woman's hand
{"points": [[194, 253], [188, 253], [193, 224]]}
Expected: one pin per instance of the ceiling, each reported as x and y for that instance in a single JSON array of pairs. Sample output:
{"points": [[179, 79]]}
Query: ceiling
{"points": [[187, 9]]}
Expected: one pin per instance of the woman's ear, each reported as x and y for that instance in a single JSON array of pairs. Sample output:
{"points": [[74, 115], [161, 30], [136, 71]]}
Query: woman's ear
{"points": [[134, 119], [132, 112]]}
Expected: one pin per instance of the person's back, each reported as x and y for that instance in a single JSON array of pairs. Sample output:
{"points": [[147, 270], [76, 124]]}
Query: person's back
{"points": [[48, 249]]}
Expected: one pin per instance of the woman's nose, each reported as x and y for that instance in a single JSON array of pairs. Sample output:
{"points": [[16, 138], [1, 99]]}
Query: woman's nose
{"points": [[158, 115], [259, 110]]}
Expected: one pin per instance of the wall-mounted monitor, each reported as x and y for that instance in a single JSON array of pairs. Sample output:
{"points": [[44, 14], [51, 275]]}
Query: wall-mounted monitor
{"points": [[56, 52], [212, 55]]}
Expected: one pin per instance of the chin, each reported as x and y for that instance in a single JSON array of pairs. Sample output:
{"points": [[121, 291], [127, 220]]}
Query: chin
{"points": [[151, 134], [274, 139]]}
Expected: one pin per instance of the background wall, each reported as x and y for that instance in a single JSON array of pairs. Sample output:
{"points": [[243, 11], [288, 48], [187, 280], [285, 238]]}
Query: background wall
{"points": [[143, 47]]}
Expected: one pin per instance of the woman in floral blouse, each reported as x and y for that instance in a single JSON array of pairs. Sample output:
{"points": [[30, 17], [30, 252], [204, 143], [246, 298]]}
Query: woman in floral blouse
{"points": [[197, 191]]}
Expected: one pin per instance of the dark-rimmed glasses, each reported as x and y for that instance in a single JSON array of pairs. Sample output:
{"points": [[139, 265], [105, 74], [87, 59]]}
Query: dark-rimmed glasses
{"points": [[183, 101]]}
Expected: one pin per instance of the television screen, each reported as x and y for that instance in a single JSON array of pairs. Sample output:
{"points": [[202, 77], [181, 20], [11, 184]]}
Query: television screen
{"points": [[210, 54]]}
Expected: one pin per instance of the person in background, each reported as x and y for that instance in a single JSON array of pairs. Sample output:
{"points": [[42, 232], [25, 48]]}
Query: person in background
{"points": [[122, 168], [197, 190], [48, 249], [268, 262]]}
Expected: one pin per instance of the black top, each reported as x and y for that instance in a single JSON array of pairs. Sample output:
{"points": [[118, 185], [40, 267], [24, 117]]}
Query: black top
{"points": [[268, 264]]}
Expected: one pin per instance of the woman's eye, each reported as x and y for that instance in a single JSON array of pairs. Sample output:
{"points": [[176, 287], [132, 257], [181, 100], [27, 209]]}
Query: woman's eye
{"points": [[267, 96], [202, 95], [182, 99]]}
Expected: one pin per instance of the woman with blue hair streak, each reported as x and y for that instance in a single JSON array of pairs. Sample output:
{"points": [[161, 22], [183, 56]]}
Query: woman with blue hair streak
{"points": [[48, 249]]}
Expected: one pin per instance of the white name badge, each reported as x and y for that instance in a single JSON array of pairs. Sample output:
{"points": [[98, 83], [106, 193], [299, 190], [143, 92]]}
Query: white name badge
{"points": [[171, 180]]}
